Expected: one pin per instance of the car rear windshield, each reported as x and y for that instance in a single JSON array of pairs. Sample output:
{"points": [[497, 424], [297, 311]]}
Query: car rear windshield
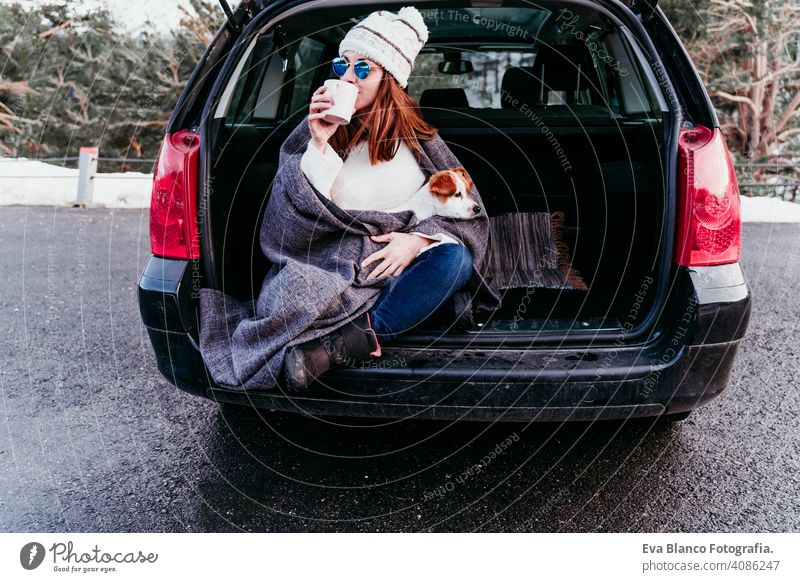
{"points": [[564, 60]]}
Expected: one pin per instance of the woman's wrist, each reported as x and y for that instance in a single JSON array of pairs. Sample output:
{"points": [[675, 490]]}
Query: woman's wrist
{"points": [[425, 241], [319, 144]]}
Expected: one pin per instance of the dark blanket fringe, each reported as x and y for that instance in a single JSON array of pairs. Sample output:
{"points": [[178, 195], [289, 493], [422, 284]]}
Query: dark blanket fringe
{"points": [[557, 222]]}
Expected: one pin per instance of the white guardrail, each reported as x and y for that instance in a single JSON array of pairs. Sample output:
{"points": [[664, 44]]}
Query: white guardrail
{"points": [[35, 181]]}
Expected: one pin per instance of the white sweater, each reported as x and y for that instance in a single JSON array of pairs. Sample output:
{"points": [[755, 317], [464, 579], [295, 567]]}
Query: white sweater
{"points": [[358, 185]]}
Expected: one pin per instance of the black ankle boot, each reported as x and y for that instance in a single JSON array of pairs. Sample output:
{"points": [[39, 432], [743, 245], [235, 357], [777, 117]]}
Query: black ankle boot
{"points": [[353, 343]]}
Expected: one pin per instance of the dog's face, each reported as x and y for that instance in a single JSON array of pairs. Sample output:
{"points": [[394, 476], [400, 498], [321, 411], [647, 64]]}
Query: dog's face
{"points": [[451, 194]]}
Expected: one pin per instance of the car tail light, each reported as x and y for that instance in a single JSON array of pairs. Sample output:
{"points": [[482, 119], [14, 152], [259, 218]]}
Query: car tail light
{"points": [[173, 218], [709, 219]]}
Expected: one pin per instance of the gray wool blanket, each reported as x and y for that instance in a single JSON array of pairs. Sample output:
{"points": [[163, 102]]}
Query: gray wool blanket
{"points": [[316, 283]]}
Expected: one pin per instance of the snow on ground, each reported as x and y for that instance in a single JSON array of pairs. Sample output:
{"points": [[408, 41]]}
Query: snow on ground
{"points": [[765, 209], [31, 182]]}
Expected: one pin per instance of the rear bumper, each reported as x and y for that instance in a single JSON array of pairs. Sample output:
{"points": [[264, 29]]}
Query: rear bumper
{"points": [[684, 365]]}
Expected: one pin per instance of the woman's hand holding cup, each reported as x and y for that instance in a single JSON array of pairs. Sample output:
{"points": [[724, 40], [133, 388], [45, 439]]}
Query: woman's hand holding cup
{"points": [[321, 130], [332, 105]]}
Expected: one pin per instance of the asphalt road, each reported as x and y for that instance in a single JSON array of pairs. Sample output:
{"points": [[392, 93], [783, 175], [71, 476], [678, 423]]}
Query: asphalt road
{"points": [[93, 439]]}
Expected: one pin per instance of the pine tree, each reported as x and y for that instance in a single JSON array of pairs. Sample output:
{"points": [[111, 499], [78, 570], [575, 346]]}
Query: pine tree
{"points": [[75, 80]]}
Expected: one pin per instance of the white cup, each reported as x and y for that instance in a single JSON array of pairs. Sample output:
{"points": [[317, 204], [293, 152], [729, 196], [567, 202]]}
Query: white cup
{"points": [[343, 101]]}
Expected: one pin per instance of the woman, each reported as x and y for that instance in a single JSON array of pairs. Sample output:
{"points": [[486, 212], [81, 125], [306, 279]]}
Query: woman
{"points": [[380, 171]]}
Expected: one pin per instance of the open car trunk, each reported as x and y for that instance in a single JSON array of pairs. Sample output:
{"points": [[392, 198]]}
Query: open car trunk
{"points": [[576, 193], [608, 213], [605, 188]]}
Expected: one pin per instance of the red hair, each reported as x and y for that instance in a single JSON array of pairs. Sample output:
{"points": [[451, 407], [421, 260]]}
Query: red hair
{"points": [[393, 116]]}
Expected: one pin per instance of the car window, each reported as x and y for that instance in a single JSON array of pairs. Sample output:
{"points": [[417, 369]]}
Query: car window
{"points": [[247, 88], [265, 91], [485, 58], [309, 54], [482, 86], [543, 57]]}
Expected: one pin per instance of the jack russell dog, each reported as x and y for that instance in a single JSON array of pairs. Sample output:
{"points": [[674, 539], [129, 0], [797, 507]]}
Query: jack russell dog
{"points": [[447, 193]]}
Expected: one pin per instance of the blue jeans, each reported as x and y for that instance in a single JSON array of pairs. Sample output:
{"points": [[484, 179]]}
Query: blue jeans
{"points": [[420, 289]]}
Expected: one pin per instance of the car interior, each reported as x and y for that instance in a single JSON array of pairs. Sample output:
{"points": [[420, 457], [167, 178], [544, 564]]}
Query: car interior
{"points": [[554, 118]]}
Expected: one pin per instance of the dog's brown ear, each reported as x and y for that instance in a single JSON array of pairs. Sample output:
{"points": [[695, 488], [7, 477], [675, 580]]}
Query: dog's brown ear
{"points": [[467, 180], [442, 184]]}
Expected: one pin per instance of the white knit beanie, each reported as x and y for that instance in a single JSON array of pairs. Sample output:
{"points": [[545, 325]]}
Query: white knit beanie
{"points": [[391, 40]]}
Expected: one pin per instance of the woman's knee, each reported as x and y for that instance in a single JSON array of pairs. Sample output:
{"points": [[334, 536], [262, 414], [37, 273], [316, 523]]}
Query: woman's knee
{"points": [[458, 261]]}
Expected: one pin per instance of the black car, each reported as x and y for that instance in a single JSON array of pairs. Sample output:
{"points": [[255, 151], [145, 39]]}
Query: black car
{"points": [[588, 110]]}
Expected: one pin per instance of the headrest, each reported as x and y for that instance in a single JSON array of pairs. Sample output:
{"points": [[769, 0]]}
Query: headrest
{"points": [[518, 84], [445, 98], [567, 68]]}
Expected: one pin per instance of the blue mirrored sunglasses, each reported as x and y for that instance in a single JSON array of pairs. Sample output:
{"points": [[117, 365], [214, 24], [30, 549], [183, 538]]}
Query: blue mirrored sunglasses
{"points": [[360, 67]]}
